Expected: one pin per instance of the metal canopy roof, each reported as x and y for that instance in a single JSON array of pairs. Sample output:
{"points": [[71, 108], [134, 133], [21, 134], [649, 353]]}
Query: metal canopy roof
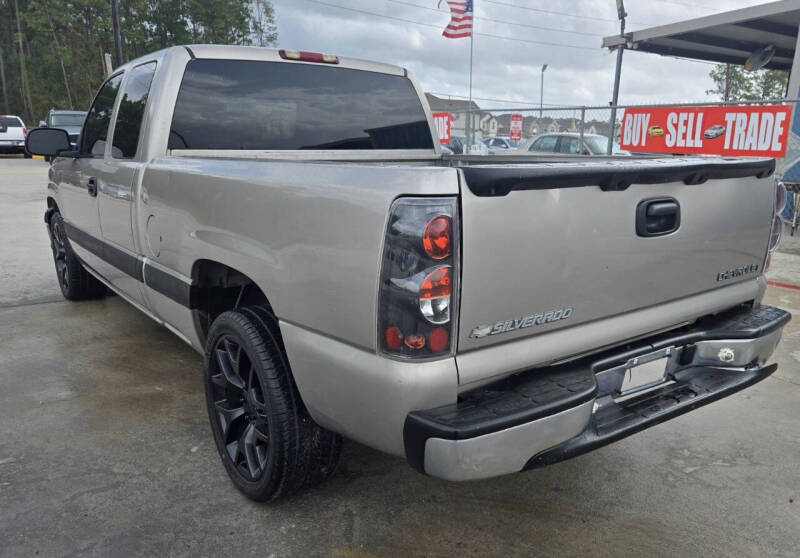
{"points": [[728, 37]]}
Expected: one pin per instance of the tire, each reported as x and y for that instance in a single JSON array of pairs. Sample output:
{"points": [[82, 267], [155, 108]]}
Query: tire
{"points": [[270, 446], [76, 283], [26, 155]]}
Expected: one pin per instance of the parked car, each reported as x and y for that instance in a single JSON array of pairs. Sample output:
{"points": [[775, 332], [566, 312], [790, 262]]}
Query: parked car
{"points": [[69, 120], [458, 145], [568, 143], [655, 131], [12, 134], [714, 131], [342, 278], [497, 143]]}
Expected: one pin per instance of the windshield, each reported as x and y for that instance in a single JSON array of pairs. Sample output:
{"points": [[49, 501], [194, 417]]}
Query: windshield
{"points": [[67, 120]]}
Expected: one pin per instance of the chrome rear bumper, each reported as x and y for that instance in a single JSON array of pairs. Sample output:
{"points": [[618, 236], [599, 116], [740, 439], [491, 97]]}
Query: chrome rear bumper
{"points": [[547, 415]]}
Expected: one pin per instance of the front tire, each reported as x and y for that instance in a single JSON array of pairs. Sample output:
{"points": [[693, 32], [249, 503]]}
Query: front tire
{"points": [[76, 283], [269, 445]]}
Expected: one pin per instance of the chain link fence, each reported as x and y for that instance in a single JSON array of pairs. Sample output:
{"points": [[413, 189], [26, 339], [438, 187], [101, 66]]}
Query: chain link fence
{"points": [[477, 130]]}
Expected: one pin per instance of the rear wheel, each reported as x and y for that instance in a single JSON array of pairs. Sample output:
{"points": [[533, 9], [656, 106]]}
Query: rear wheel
{"points": [[268, 443], [76, 283]]}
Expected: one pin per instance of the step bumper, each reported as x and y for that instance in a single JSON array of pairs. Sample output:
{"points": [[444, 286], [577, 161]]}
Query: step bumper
{"points": [[546, 415]]}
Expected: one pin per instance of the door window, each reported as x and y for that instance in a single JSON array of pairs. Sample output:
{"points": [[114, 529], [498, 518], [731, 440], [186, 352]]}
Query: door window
{"points": [[547, 143], [569, 145], [95, 129], [131, 111]]}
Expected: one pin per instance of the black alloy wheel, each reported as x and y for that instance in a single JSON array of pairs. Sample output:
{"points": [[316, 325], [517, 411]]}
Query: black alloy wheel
{"points": [[76, 283], [269, 444], [59, 246], [241, 412]]}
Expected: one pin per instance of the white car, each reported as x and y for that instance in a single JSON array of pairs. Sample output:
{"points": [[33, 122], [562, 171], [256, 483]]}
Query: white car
{"points": [[500, 143], [12, 134]]}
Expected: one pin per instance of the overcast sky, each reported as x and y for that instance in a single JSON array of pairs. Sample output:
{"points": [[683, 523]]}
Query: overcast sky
{"points": [[508, 70]]}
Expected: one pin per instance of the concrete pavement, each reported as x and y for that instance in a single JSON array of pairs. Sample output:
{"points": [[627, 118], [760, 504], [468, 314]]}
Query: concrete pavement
{"points": [[105, 450]]}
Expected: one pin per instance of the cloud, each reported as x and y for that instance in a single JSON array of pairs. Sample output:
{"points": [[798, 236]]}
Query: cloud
{"points": [[506, 69]]}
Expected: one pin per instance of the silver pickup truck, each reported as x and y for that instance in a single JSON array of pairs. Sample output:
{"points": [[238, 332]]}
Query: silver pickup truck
{"points": [[290, 216]]}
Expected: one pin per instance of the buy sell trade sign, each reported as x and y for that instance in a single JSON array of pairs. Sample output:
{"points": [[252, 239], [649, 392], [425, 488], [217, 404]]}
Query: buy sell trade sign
{"points": [[760, 130]]}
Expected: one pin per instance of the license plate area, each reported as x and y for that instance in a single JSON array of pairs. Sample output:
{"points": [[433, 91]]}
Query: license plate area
{"points": [[637, 374], [643, 376]]}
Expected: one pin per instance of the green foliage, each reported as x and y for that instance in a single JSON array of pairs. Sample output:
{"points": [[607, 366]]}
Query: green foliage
{"points": [[63, 42], [734, 83]]}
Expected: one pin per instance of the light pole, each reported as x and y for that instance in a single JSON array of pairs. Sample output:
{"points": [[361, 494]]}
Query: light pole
{"points": [[115, 25], [621, 13], [541, 92]]}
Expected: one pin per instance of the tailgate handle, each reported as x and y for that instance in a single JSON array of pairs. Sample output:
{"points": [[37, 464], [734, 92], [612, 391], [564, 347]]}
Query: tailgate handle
{"points": [[657, 217]]}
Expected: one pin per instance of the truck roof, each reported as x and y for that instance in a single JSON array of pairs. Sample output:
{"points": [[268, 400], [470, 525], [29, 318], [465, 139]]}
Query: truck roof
{"points": [[264, 54]]}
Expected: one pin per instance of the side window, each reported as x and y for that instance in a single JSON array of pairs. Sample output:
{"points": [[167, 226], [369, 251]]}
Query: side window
{"points": [[547, 143], [95, 129], [569, 145], [131, 111]]}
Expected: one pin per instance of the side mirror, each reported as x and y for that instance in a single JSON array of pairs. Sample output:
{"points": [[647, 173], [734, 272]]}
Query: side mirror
{"points": [[42, 124], [47, 141]]}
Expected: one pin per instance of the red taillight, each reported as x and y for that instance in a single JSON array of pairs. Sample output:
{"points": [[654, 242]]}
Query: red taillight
{"points": [[436, 238], [394, 338], [24, 132], [436, 284], [781, 195], [415, 341], [305, 56], [438, 339], [419, 272]]}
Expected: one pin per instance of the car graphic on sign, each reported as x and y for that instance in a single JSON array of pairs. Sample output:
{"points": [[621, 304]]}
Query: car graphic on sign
{"points": [[714, 131], [655, 131]]}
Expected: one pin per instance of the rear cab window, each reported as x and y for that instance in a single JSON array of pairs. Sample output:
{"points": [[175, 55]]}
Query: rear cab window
{"points": [[257, 105]]}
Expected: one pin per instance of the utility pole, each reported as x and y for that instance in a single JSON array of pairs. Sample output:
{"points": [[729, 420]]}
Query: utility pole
{"points": [[621, 14], [3, 81], [541, 92], [115, 23]]}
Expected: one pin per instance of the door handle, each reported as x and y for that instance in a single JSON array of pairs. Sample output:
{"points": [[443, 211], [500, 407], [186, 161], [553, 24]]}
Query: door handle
{"points": [[91, 187], [657, 217]]}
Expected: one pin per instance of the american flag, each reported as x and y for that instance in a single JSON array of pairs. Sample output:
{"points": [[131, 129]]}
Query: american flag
{"points": [[460, 19]]}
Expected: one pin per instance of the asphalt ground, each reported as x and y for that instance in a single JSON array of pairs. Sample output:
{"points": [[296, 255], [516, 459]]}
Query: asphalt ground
{"points": [[105, 450]]}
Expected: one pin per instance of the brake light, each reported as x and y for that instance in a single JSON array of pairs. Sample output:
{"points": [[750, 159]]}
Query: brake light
{"points": [[419, 274], [776, 230], [305, 56], [436, 238], [775, 234], [781, 195], [24, 131]]}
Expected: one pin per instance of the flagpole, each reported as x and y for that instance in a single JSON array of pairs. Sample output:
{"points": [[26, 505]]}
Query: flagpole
{"points": [[470, 136]]}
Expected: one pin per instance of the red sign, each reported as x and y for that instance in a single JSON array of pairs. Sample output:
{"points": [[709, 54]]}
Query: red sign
{"points": [[442, 122], [759, 130], [515, 134]]}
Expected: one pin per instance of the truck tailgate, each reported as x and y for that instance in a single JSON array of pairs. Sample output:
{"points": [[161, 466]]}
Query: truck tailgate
{"points": [[553, 245]]}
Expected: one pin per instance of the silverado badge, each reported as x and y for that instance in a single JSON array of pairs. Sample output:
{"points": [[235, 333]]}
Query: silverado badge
{"points": [[520, 323], [737, 272]]}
